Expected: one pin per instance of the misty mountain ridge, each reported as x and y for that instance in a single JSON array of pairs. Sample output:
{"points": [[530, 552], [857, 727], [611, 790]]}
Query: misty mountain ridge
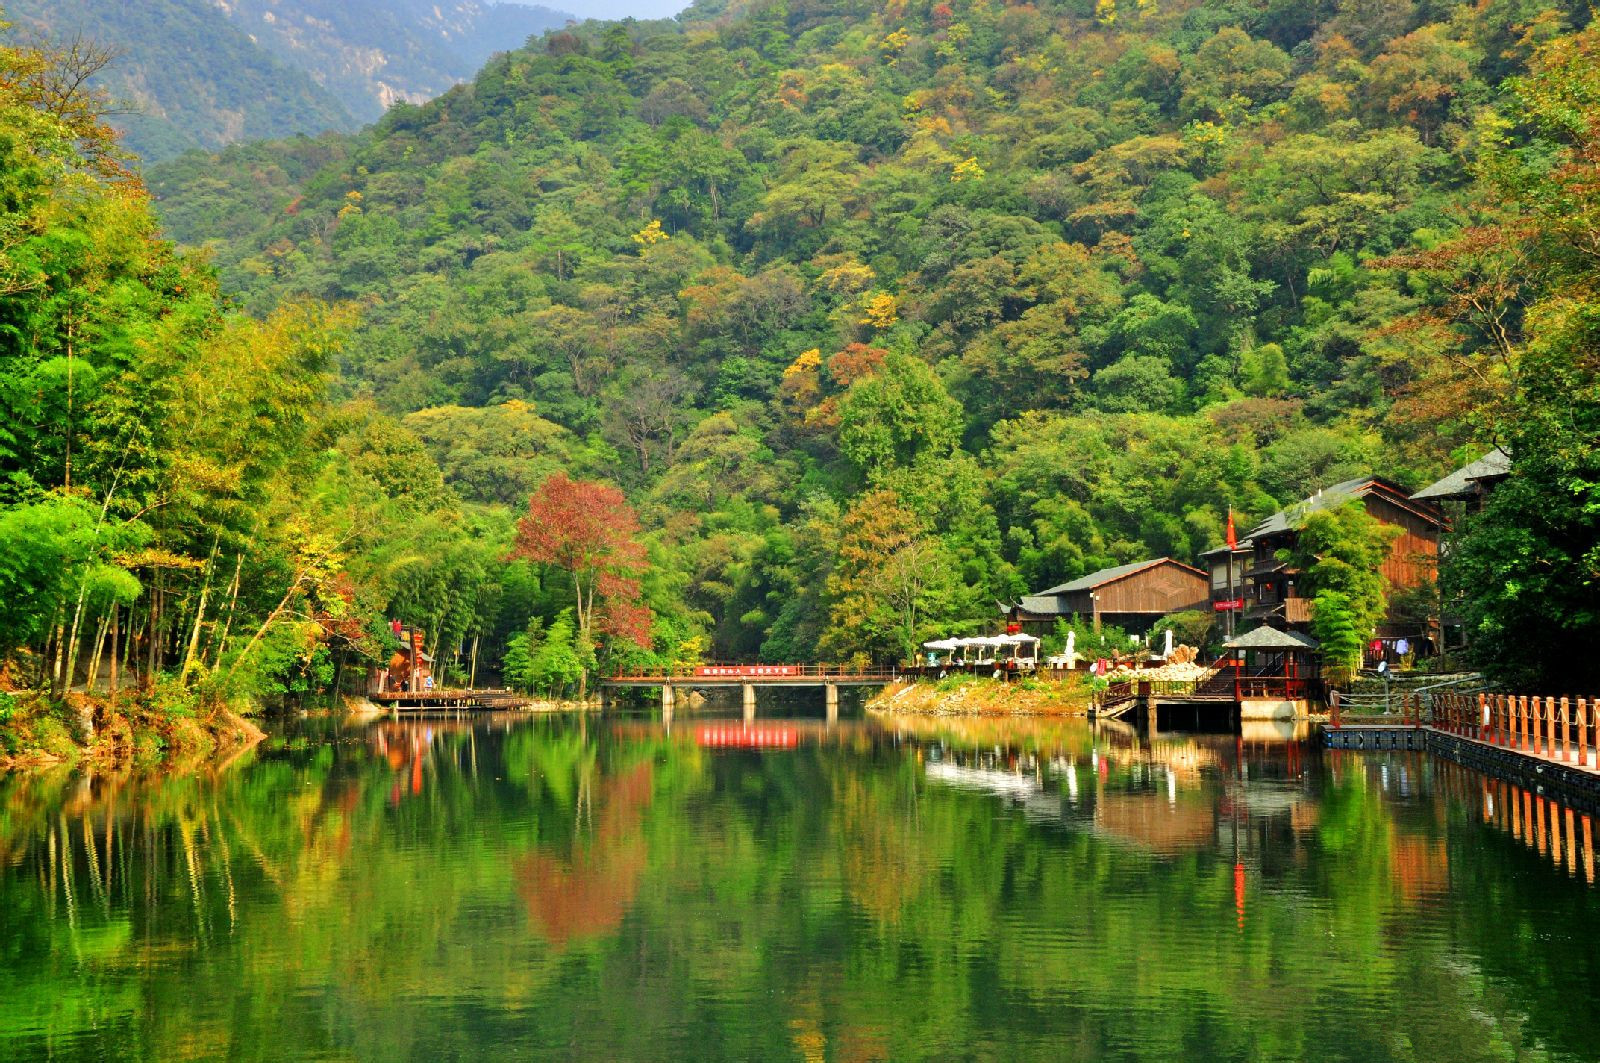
{"points": [[208, 73]]}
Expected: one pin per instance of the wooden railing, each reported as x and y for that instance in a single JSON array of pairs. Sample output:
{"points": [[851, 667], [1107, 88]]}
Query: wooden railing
{"points": [[772, 674], [1556, 728], [1124, 691], [1345, 710]]}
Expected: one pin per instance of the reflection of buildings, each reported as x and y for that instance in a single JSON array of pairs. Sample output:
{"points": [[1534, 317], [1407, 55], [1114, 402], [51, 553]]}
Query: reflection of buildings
{"points": [[1169, 797]]}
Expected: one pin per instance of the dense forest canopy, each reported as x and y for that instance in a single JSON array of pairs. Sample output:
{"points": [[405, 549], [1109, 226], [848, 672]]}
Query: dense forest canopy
{"points": [[880, 316]]}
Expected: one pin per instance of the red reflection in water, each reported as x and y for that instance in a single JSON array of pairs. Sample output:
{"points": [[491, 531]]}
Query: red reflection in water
{"points": [[588, 894], [746, 736]]}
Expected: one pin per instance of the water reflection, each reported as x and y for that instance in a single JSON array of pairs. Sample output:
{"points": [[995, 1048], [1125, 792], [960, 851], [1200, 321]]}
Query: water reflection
{"points": [[612, 888]]}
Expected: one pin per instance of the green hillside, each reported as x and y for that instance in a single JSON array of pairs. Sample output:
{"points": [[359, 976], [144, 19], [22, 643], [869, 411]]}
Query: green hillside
{"points": [[882, 316], [1119, 258]]}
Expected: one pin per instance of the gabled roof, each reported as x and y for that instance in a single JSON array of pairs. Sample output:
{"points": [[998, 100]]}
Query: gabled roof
{"points": [[1042, 604], [1111, 575], [1244, 546], [1270, 638], [1462, 482], [1288, 518]]}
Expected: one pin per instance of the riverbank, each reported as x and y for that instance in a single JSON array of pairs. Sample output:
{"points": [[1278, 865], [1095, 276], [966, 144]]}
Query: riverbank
{"points": [[979, 696], [143, 726]]}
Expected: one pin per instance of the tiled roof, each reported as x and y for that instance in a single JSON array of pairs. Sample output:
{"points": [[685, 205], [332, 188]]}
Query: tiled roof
{"points": [[1104, 576], [1270, 638], [1459, 484], [1327, 498]]}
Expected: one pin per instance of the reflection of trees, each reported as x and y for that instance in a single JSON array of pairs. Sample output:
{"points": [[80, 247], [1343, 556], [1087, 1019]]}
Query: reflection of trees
{"points": [[827, 900], [588, 894]]}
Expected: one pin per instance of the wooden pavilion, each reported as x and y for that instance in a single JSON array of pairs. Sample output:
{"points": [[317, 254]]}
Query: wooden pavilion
{"points": [[1274, 673]]}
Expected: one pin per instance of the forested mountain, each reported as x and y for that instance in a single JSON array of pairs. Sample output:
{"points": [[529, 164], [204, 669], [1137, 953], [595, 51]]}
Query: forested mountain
{"points": [[879, 316], [1020, 289], [207, 73]]}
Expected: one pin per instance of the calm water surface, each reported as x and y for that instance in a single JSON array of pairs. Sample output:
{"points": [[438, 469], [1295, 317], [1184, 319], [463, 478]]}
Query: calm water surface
{"points": [[610, 888]]}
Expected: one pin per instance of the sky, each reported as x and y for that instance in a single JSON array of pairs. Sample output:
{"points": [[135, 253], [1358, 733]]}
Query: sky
{"points": [[616, 8]]}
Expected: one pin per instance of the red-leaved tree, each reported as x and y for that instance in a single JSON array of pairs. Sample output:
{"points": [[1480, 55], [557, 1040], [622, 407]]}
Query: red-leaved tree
{"points": [[589, 530]]}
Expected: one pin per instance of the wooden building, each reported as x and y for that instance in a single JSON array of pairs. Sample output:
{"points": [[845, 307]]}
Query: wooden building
{"points": [[1132, 597], [1226, 594], [1271, 590]]}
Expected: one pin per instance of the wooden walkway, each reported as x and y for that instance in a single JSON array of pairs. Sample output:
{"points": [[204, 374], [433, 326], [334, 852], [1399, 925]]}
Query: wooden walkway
{"points": [[1544, 741], [448, 700]]}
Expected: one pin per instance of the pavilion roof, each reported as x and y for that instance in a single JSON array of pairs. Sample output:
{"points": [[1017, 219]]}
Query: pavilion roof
{"points": [[1270, 638]]}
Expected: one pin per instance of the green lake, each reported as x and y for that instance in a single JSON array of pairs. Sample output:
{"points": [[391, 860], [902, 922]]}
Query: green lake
{"points": [[607, 887]]}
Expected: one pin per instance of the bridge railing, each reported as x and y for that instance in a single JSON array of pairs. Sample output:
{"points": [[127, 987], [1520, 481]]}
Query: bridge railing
{"points": [[1122, 691], [717, 672]]}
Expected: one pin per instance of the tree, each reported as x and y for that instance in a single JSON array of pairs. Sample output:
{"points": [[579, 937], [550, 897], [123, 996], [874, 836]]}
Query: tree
{"points": [[1136, 384], [1524, 573], [889, 577], [891, 416], [1340, 552], [588, 530]]}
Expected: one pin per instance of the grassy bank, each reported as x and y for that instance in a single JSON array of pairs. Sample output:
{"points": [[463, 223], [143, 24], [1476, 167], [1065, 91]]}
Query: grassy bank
{"points": [[143, 726], [976, 696]]}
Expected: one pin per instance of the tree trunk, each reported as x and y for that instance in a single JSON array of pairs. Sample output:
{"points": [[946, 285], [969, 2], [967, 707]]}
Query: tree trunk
{"points": [[288, 596], [99, 651], [114, 621], [153, 631], [233, 601], [199, 614], [472, 678], [58, 660]]}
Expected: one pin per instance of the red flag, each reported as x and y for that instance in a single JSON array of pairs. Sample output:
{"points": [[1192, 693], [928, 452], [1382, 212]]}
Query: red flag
{"points": [[1233, 536]]}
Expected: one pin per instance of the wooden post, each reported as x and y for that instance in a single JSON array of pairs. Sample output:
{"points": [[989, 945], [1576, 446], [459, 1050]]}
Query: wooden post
{"points": [[1583, 733], [1566, 733], [830, 698], [1333, 712], [1522, 721], [749, 703]]}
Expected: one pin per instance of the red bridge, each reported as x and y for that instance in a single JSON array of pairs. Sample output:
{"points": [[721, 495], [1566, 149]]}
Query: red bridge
{"points": [[830, 677]]}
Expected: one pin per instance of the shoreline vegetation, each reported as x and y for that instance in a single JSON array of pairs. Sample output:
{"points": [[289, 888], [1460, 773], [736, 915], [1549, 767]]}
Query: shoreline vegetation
{"points": [[140, 727], [842, 330], [966, 695]]}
